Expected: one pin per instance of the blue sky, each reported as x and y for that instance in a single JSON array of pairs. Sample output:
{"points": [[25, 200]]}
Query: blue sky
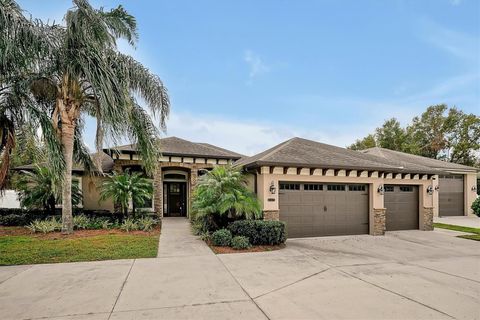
{"points": [[246, 75]]}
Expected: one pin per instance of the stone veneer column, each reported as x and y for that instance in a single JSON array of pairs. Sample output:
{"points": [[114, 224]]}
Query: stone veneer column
{"points": [[427, 219], [271, 215], [379, 224], [158, 192], [193, 183]]}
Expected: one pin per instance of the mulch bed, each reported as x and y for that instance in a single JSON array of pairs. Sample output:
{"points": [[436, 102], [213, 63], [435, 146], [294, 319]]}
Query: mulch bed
{"points": [[21, 231], [226, 250]]}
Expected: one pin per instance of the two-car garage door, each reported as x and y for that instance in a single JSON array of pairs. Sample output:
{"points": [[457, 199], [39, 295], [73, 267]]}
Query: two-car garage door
{"points": [[324, 209]]}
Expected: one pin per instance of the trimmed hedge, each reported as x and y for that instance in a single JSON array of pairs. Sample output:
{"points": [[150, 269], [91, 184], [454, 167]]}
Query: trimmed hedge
{"points": [[222, 237], [476, 206], [260, 232], [240, 242]]}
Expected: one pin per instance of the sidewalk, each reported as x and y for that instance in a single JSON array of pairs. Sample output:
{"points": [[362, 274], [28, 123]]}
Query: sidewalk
{"points": [[464, 221]]}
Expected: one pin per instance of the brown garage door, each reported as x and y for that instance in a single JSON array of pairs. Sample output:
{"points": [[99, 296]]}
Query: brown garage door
{"points": [[313, 209], [451, 195], [401, 202]]}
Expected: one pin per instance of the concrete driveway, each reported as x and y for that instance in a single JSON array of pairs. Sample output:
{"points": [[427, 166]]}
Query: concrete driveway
{"points": [[403, 275]]}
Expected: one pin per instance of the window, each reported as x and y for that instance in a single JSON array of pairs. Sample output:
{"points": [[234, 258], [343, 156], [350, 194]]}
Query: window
{"points": [[356, 187], [336, 187], [174, 188], [289, 186], [174, 176], [313, 186], [389, 188], [406, 188]]}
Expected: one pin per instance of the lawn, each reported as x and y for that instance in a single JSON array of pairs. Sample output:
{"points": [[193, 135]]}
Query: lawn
{"points": [[20, 247], [475, 231]]}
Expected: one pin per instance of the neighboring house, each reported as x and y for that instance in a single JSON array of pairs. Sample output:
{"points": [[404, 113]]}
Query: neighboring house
{"points": [[9, 199], [318, 189]]}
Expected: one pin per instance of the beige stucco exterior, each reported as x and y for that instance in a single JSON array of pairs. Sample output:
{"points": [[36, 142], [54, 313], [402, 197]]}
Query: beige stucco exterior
{"points": [[91, 194], [470, 181], [270, 202]]}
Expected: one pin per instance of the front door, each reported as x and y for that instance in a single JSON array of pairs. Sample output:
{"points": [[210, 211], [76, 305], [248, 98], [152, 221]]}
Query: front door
{"points": [[176, 199]]}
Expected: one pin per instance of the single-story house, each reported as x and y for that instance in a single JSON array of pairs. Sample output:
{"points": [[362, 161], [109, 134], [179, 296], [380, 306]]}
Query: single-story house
{"points": [[316, 188]]}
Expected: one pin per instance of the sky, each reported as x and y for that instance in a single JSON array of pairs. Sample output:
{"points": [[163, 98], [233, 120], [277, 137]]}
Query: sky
{"points": [[247, 75]]}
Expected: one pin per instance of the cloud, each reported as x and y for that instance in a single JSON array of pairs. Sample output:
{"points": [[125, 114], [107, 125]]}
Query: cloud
{"points": [[255, 64], [458, 44]]}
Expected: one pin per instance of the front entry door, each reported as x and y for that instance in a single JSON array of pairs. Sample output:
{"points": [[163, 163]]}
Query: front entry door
{"points": [[176, 199]]}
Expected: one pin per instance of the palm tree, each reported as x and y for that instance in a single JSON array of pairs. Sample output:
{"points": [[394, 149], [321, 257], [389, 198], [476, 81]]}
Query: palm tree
{"points": [[84, 74], [223, 191], [22, 42], [126, 188], [40, 189]]}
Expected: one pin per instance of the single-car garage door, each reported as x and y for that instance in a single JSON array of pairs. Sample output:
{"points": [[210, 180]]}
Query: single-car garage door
{"points": [[401, 202], [451, 195], [323, 209]]}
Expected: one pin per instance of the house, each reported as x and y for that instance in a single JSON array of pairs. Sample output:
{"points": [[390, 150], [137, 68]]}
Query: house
{"points": [[316, 188]]}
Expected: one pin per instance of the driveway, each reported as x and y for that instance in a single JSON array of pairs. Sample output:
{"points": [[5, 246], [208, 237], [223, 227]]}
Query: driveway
{"points": [[403, 275]]}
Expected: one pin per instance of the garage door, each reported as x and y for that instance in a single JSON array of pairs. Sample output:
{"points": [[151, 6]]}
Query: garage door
{"points": [[312, 209], [401, 202], [451, 195]]}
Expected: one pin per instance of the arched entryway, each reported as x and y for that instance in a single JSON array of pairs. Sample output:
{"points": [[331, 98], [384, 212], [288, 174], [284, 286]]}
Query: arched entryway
{"points": [[175, 192]]}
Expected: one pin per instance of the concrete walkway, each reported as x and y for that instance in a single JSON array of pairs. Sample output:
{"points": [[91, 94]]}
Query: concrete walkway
{"points": [[403, 275], [469, 221]]}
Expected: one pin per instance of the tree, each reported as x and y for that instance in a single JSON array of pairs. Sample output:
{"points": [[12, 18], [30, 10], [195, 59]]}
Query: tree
{"points": [[391, 135], [22, 43], [40, 189], [365, 143], [126, 188], [85, 74], [463, 136], [426, 134], [223, 191]]}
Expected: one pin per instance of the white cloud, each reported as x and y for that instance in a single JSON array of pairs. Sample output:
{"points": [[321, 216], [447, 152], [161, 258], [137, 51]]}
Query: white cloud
{"points": [[255, 63]]}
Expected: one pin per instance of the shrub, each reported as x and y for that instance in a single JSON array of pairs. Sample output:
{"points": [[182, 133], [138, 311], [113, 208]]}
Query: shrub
{"points": [[20, 217], [476, 206], [81, 222], [260, 232], [146, 223], [240, 242], [45, 226], [222, 237], [129, 225]]}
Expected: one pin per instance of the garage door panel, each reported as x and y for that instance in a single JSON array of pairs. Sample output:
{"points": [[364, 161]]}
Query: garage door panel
{"points": [[451, 195], [324, 212], [402, 204]]}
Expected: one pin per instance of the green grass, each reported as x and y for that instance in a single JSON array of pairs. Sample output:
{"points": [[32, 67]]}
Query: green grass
{"points": [[476, 231], [457, 228], [475, 237], [25, 249]]}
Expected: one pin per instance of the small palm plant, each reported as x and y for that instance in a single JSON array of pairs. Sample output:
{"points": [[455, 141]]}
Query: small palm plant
{"points": [[41, 188], [125, 188], [223, 193]]}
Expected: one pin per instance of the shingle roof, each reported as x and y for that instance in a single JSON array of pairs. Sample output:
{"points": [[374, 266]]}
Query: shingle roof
{"points": [[308, 153], [106, 161], [180, 147], [406, 159]]}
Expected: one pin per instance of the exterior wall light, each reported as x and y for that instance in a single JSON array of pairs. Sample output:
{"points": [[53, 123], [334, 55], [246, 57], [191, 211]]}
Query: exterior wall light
{"points": [[474, 188], [430, 190], [272, 188], [437, 188], [381, 189]]}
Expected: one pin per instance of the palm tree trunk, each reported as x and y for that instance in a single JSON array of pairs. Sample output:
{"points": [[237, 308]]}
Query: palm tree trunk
{"points": [[68, 123]]}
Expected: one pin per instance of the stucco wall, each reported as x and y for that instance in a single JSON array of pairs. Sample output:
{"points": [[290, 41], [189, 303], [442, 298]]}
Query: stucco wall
{"points": [[470, 181], [91, 194]]}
